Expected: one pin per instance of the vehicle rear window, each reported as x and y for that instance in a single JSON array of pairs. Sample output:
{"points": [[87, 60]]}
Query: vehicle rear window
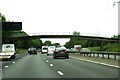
{"points": [[45, 48], [32, 48], [8, 46]]}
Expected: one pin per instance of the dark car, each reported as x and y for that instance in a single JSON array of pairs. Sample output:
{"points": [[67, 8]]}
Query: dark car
{"points": [[32, 51], [38, 50], [61, 52]]}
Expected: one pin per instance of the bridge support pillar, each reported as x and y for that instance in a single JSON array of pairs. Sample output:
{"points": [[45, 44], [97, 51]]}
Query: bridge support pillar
{"points": [[101, 47], [0, 36]]}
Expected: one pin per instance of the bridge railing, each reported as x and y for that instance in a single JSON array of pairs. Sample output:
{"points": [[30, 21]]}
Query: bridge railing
{"points": [[97, 54], [68, 33]]}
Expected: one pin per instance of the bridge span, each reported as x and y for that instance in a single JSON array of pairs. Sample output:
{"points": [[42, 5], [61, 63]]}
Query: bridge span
{"points": [[67, 36]]}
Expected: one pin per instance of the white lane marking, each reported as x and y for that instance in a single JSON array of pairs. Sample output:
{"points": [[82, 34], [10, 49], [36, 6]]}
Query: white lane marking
{"points": [[51, 64], [47, 61], [18, 59], [6, 66], [0, 69], [42, 56], [59, 72], [97, 62], [13, 62]]}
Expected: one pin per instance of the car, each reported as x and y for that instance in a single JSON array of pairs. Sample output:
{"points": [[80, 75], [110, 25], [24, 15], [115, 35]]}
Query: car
{"points": [[85, 50], [38, 50], [32, 51], [60, 52]]}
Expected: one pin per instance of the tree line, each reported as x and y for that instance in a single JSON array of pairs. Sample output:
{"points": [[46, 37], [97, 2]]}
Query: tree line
{"points": [[93, 43]]}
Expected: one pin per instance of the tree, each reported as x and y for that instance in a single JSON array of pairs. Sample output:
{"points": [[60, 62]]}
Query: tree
{"points": [[2, 18], [34, 42], [76, 33], [56, 44], [47, 43], [116, 36]]}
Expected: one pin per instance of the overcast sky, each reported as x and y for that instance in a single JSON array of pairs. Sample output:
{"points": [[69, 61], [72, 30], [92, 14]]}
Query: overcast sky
{"points": [[84, 16]]}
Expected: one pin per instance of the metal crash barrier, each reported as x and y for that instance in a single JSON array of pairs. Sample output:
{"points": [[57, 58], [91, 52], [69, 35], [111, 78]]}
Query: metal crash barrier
{"points": [[108, 55]]}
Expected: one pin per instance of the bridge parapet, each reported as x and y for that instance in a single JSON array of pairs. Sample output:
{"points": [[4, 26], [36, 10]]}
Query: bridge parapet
{"points": [[69, 33]]}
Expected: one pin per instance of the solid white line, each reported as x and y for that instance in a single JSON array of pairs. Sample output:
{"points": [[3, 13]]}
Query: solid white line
{"points": [[51, 64], [47, 61], [97, 62], [59, 72], [18, 59], [6, 66]]}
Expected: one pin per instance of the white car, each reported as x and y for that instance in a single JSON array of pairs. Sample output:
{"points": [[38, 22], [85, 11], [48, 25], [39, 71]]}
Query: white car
{"points": [[85, 50]]}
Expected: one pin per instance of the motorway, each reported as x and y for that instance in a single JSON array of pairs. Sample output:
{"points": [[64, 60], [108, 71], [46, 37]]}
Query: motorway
{"points": [[43, 66]]}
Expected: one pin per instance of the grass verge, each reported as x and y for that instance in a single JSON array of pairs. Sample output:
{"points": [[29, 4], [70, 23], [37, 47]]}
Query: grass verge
{"points": [[21, 51]]}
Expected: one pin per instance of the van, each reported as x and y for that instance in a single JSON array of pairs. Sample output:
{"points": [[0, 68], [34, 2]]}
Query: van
{"points": [[51, 50], [44, 49], [8, 51]]}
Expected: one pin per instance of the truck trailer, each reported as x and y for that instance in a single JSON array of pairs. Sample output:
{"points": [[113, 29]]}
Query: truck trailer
{"points": [[77, 47]]}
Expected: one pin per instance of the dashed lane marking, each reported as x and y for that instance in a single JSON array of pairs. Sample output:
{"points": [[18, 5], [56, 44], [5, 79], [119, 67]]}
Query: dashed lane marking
{"points": [[47, 61], [60, 73], [13, 62], [42, 56], [6, 66], [51, 64]]}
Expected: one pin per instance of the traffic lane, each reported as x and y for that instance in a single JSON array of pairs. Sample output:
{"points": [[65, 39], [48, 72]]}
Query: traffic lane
{"points": [[7, 62], [32, 66], [72, 68]]}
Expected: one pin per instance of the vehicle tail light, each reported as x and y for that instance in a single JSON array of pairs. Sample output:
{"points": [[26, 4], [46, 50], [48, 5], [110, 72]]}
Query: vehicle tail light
{"points": [[66, 51]]}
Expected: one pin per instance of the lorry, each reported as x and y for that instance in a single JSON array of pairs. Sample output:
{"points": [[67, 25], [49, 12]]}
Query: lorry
{"points": [[51, 50], [77, 47], [8, 52], [44, 49]]}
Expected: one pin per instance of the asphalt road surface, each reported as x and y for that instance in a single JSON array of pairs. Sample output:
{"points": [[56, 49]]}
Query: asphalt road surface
{"points": [[43, 66]]}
